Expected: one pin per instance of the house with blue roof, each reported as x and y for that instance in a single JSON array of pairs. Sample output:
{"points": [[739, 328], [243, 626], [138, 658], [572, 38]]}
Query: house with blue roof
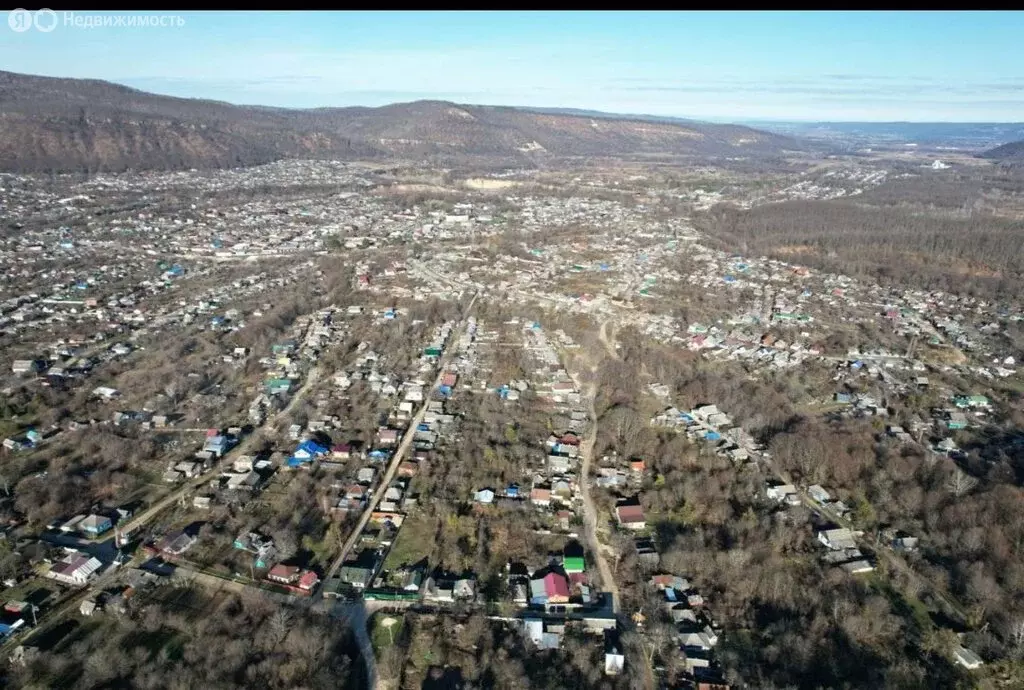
{"points": [[308, 451], [218, 444]]}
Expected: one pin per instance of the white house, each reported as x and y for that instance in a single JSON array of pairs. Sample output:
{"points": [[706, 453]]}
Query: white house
{"points": [[819, 494], [837, 539], [614, 662], [780, 492], [75, 569], [967, 658]]}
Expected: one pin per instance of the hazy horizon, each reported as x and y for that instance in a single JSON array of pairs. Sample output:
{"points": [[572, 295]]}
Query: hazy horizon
{"points": [[772, 67]]}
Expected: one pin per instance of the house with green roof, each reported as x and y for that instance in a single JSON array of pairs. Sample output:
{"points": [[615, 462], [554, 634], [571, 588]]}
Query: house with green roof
{"points": [[573, 564], [964, 401], [278, 386]]}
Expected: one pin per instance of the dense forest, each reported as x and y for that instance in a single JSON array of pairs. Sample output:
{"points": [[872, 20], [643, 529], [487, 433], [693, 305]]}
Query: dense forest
{"points": [[974, 253], [181, 637]]}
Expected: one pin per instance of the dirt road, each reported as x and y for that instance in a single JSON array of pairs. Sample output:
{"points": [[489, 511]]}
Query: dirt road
{"points": [[403, 448], [242, 449], [590, 513]]}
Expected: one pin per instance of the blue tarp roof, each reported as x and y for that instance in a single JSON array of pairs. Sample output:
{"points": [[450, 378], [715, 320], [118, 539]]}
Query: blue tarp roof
{"points": [[312, 447]]}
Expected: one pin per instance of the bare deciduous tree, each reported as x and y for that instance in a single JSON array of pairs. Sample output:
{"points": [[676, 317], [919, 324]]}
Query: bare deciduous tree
{"points": [[960, 483]]}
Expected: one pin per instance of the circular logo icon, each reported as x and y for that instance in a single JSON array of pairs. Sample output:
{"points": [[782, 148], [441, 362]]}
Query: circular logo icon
{"points": [[46, 20], [19, 20]]}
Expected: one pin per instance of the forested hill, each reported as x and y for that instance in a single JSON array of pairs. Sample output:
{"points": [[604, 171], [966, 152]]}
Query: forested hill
{"points": [[49, 124], [1012, 153]]}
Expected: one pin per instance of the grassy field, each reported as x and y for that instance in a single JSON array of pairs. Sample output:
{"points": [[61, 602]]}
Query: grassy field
{"points": [[381, 636], [414, 542]]}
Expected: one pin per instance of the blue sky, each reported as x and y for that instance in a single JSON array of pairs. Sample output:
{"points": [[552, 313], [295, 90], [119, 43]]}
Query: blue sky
{"points": [[930, 66]]}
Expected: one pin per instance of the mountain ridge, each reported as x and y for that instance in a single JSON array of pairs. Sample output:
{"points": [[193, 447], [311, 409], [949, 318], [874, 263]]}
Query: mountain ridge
{"points": [[50, 124], [1010, 153]]}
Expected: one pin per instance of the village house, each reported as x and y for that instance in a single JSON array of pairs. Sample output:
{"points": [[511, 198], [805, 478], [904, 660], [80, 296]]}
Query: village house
{"points": [[549, 587], [75, 569], [95, 524], [967, 658], [837, 539], [540, 496], [387, 437], [614, 657], [284, 574], [21, 367], [784, 492], [630, 516]]}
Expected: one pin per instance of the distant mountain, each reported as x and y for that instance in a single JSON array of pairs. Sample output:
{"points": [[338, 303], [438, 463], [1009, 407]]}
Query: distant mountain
{"points": [[49, 124], [970, 136], [600, 114], [1012, 153]]}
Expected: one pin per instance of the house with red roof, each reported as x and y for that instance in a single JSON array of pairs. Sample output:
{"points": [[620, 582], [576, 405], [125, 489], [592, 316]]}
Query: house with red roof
{"points": [[308, 581], [284, 574], [549, 587], [630, 516]]}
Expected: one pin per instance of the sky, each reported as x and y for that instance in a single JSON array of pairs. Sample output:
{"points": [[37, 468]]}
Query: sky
{"points": [[832, 66]]}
